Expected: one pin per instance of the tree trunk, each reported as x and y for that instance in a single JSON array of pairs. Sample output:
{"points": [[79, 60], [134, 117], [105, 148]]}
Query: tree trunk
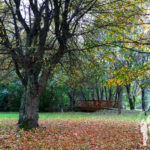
{"points": [[128, 87], [83, 95], [119, 99], [134, 100], [102, 92], [97, 93], [50, 104], [62, 105], [72, 101], [57, 107], [28, 114], [143, 100], [116, 95], [106, 92], [110, 94], [50, 100], [93, 94]]}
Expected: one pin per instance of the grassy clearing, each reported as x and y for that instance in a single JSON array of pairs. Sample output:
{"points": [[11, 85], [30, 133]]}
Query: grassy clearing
{"points": [[81, 115]]}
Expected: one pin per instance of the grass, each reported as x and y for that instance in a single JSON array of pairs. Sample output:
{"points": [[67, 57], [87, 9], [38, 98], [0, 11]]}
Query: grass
{"points": [[78, 116]]}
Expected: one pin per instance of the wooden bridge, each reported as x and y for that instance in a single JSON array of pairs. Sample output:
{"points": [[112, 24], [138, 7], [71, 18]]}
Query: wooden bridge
{"points": [[94, 105]]}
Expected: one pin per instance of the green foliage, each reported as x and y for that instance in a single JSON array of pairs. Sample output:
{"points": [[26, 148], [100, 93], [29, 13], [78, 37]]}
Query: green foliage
{"points": [[3, 99], [10, 96], [44, 100], [54, 91]]}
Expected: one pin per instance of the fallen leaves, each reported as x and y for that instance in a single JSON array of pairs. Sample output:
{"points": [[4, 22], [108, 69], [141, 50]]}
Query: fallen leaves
{"points": [[73, 135]]}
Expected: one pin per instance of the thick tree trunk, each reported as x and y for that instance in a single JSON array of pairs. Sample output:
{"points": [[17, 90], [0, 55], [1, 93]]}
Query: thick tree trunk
{"points": [[28, 114], [128, 87]]}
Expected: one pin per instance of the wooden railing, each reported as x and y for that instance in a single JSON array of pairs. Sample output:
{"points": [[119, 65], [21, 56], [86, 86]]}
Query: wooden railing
{"points": [[93, 105]]}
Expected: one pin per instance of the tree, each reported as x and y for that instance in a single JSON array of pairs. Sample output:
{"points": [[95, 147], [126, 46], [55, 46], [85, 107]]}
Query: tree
{"points": [[36, 35]]}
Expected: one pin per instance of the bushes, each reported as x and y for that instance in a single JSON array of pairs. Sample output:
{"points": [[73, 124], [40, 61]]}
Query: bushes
{"points": [[10, 95], [4, 99], [53, 99]]}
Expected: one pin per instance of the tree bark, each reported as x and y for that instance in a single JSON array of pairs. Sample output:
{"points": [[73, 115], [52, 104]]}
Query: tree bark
{"points": [[83, 95], [93, 94], [97, 93], [101, 92], [110, 94], [134, 100], [128, 87], [28, 114], [57, 108], [62, 105], [119, 99], [51, 99], [72, 101], [50, 104], [106, 92], [143, 100]]}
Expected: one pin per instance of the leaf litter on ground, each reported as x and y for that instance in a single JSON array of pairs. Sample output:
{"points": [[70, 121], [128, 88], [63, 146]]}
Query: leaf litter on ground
{"points": [[83, 134]]}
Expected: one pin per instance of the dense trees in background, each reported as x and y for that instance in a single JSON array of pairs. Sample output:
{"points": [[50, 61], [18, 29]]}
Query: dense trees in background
{"points": [[64, 51]]}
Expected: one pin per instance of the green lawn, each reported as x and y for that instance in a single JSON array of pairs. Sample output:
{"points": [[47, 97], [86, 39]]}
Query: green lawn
{"points": [[77, 115]]}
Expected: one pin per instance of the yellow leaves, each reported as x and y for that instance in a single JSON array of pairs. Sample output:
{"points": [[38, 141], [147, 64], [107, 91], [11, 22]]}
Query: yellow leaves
{"points": [[148, 63], [120, 37], [144, 27], [90, 66], [141, 21], [130, 58], [143, 85], [130, 46], [119, 82], [125, 76], [133, 28], [109, 58], [112, 82]]}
